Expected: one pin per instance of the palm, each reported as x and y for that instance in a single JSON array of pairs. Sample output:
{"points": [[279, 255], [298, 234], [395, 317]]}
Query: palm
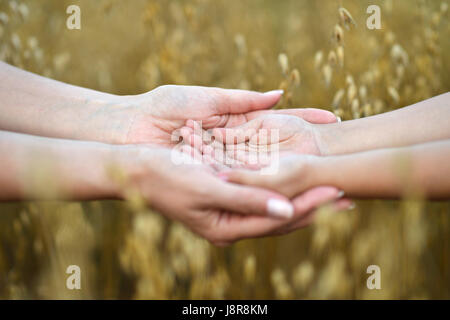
{"points": [[163, 112], [161, 115], [265, 135], [218, 211]]}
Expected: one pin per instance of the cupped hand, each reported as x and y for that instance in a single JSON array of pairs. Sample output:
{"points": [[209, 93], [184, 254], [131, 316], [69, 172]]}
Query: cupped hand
{"points": [[184, 189], [293, 175], [283, 133], [158, 116]]}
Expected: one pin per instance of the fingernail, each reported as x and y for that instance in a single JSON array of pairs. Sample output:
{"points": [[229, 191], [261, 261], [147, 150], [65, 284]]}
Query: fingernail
{"points": [[280, 209], [274, 92], [341, 194]]}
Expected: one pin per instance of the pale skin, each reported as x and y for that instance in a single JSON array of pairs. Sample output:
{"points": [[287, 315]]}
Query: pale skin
{"points": [[218, 211], [135, 133], [40, 106], [384, 156]]}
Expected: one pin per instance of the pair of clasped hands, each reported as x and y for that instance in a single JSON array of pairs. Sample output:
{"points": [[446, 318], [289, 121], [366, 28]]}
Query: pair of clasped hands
{"points": [[220, 161], [158, 141], [204, 137]]}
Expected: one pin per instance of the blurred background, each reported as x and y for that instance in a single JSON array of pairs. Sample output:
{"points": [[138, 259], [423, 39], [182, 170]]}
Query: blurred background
{"points": [[323, 55]]}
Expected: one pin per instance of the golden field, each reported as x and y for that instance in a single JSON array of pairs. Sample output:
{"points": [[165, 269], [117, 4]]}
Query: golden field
{"points": [[305, 47]]}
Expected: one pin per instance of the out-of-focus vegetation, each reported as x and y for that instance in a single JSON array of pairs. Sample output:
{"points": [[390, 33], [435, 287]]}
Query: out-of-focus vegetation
{"points": [[321, 56]]}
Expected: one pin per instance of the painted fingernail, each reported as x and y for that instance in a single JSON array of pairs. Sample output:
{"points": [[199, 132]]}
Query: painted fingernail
{"points": [[280, 209], [341, 194], [274, 92]]}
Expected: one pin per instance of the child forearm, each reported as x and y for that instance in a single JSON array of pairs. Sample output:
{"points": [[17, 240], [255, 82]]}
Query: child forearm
{"points": [[423, 122], [389, 173]]}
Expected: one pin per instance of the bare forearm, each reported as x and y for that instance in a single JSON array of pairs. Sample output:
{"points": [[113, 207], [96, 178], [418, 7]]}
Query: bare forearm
{"points": [[42, 168], [420, 123], [36, 105], [390, 173]]}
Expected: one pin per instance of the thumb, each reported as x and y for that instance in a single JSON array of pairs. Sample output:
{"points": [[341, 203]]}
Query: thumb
{"points": [[316, 116], [248, 178], [252, 201], [231, 101], [312, 115]]}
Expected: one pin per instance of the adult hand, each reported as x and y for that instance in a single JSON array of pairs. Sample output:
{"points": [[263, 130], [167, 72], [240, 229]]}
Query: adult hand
{"points": [[160, 113], [191, 192]]}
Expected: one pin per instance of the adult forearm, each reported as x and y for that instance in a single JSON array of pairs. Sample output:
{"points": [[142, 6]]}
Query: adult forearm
{"points": [[420, 123], [389, 173], [40, 106], [43, 168]]}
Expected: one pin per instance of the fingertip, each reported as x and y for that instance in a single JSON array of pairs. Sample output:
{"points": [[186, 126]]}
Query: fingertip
{"points": [[320, 116], [344, 204], [278, 208], [190, 124], [274, 93], [272, 97], [315, 197], [218, 134]]}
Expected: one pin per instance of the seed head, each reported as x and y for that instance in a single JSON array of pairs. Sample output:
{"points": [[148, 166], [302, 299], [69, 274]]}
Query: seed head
{"points": [[337, 98], [338, 34], [284, 63], [346, 18], [327, 74], [332, 58], [295, 77], [393, 93], [318, 58], [351, 93], [340, 55]]}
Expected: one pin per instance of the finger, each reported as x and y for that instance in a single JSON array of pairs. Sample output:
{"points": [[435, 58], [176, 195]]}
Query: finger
{"points": [[251, 201], [342, 205], [255, 178], [238, 134], [191, 138], [188, 150], [316, 116], [217, 151], [231, 227], [306, 206], [230, 101], [314, 198], [249, 178], [251, 159]]}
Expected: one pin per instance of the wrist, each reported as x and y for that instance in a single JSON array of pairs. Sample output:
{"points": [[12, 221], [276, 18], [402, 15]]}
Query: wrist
{"points": [[313, 170], [136, 120], [328, 171], [131, 167], [328, 138], [109, 119]]}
